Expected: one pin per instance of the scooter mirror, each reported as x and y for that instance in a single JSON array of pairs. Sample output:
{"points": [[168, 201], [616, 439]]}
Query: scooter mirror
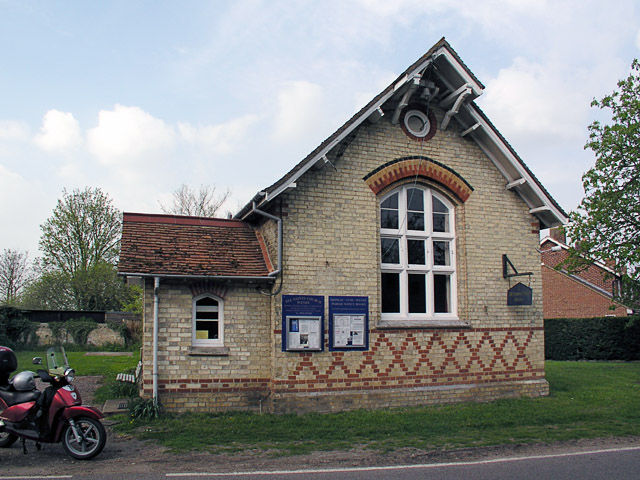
{"points": [[37, 361]]}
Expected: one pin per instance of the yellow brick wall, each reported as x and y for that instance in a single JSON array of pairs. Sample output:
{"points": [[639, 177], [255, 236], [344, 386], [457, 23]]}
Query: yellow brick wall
{"points": [[332, 247], [236, 377]]}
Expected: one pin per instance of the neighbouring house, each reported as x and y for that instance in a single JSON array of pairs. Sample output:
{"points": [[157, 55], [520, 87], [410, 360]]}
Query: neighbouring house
{"points": [[380, 271], [587, 293]]}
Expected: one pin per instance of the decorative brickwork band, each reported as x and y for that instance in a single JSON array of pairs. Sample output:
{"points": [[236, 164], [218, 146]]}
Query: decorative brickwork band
{"points": [[406, 360], [418, 166]]}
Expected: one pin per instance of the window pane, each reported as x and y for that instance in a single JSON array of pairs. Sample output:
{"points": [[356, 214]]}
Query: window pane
{"points": [[391, 202], [441, 293], [417, 294], [390, 249], [206, 315], [415, 200], [206, 330], [441, 253], [389, 219], [416, 252], [440, 216], [390, 292], [206, 301], [415, 221]]}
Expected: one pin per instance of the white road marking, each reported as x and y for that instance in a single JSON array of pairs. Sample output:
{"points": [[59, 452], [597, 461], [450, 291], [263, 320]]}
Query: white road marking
{"points": [[37, 477], [400, 467]]}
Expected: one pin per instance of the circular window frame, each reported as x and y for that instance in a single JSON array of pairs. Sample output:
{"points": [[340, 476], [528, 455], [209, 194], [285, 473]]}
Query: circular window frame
{"points": [[426, 117]]}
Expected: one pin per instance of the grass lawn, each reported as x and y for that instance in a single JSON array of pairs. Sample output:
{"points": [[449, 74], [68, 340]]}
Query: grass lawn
{"points": [[587, 400], [109, 366]]}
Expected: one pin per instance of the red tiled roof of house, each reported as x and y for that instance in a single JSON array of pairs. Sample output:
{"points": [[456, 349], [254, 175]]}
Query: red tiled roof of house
{"points": [[169, 245]]}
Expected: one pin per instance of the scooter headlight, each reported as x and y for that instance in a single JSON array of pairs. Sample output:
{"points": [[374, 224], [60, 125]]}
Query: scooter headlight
{"points": [[69, 375]]}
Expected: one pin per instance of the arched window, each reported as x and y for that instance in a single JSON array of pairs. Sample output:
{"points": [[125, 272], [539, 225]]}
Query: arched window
{"points": [[208, 321], [417, 240]]}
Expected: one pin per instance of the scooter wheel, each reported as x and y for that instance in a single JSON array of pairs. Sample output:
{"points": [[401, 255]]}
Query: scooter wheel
{"points": [[92, 438], [6, 439]]}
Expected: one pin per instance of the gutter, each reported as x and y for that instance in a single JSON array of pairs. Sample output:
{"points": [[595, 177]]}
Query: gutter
{"points": [[199, 277]]}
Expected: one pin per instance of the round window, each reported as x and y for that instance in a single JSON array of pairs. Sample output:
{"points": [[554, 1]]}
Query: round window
{"points": [[418, 124]]}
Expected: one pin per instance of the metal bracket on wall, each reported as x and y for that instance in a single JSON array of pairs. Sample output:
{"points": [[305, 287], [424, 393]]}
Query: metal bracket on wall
{"points": [[506, 263]]}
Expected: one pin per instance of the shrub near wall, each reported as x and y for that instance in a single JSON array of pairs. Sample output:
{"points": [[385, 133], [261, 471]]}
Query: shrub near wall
{"points": [[608, 338], [15, 330]]}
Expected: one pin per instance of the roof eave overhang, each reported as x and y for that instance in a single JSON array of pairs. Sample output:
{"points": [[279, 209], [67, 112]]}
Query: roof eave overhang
{"points": [[516, 174], [226, 278]]}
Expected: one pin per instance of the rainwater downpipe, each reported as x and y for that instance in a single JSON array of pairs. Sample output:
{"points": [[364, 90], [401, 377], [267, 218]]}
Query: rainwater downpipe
{"points": [[156, 300], [279, 222]]}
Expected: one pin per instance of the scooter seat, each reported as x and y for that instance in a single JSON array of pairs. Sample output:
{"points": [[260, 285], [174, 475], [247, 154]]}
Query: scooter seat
{"points": [[14, 398]]}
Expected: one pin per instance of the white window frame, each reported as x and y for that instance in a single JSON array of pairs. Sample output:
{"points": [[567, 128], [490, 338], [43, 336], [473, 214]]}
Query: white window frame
{"points": [[218, 342], [403, 234]]}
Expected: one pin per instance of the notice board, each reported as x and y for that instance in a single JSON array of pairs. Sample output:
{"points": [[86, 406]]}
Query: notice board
{"points": [[302, 323], [348, 323]]}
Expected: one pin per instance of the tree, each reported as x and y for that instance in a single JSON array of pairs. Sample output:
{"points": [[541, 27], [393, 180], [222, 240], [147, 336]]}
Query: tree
{"points": [[15, 274], [51, 290], [606, 226], [203, 203], [83, 231], [80, 243]]}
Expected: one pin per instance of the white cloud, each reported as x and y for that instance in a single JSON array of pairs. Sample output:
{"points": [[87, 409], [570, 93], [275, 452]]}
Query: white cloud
{"points": [[19, 231], [218, 139], [300, 108], [14, 131], [60, 131], [129, 134], [531, 98]]}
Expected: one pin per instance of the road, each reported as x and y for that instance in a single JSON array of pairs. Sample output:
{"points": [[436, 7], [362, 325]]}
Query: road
{"points": [[620, 461]]}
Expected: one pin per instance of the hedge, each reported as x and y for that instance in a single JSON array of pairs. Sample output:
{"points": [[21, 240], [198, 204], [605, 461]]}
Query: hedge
{"points": [[16, 331], [607, 338]]}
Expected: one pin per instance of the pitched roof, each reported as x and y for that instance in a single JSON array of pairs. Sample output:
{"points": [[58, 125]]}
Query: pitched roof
{"points": [[452, 81], [177, 246]]}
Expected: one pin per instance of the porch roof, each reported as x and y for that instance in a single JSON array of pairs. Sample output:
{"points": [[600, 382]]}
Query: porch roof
{"points": [[178, 246]]}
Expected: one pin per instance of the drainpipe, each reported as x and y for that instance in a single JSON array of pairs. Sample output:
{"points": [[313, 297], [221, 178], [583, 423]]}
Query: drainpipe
{"points": [[156, 298], [279, 221]]}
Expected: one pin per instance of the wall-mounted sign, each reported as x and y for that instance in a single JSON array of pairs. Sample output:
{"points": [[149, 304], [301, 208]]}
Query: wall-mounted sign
{"points": [[302, 323], [348, 323], [519, 294]]}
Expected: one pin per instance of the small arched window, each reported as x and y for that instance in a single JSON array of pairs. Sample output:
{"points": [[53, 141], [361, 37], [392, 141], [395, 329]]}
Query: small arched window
{"points": [[208, 321], [418, 266]]}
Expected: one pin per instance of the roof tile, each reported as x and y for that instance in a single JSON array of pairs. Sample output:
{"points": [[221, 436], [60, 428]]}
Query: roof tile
{"points": [[190, 246]]}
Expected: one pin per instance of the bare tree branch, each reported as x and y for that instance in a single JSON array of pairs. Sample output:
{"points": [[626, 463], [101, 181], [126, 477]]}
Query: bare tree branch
{"points": [[201, 203]]}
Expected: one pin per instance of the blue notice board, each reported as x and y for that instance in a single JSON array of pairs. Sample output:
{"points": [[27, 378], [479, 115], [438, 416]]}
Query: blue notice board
{"points": [[302, 323], [348, 323]]}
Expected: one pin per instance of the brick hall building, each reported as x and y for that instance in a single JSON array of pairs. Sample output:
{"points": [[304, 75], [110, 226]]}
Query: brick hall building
{"points": [[376, 273]]}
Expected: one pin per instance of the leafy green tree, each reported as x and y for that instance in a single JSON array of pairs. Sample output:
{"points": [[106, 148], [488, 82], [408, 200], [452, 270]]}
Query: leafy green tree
{"points": [[80, 243], [83, 231], [50, 291], [606, 226]]}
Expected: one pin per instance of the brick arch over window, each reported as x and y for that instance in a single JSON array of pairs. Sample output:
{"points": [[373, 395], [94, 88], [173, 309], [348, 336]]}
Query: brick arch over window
{"points": [[418, 166], [209, 287]]}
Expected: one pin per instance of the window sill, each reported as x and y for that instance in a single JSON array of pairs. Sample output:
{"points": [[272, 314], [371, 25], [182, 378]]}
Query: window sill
{"points": [[208, 351], [431, 323]]}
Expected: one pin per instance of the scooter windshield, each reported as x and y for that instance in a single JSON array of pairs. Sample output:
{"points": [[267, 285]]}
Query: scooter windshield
{"points": [[57, 361]]}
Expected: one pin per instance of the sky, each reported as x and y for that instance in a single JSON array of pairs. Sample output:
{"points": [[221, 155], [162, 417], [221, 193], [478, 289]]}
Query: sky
{"points": [[139, 97]]}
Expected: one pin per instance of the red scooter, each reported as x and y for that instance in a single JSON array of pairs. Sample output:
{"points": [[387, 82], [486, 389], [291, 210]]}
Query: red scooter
{"points": [[52, 416]]}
